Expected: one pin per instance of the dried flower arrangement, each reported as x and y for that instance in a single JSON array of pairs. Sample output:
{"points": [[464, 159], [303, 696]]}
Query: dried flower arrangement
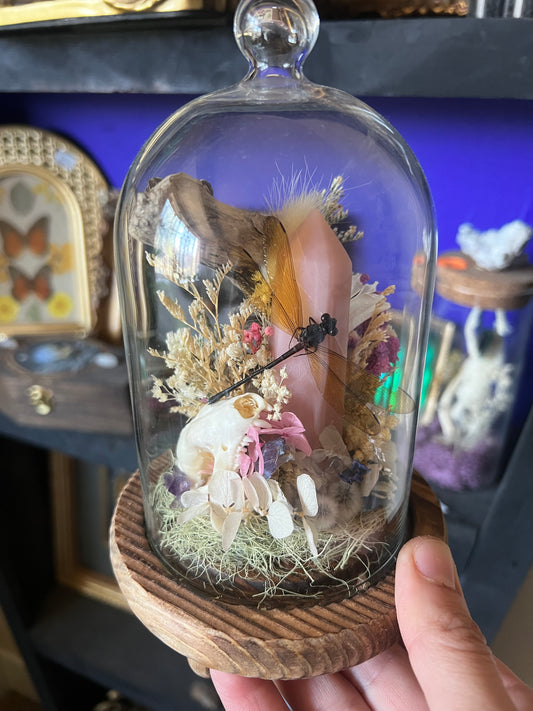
{"points": [[252, 499]]}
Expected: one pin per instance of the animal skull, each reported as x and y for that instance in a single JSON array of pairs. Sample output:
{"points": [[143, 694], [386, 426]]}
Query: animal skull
{"points": [[212, 440]]}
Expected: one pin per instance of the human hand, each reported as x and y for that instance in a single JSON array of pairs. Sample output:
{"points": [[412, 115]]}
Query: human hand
{"points": [[445, 665]]}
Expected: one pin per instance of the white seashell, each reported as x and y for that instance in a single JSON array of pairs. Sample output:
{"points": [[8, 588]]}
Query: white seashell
{"points": [[307, 493], [279, 519], [212, 440]]}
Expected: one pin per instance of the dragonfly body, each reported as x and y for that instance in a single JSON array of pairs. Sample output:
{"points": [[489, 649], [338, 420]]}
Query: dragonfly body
{"points": [[308, 339]]}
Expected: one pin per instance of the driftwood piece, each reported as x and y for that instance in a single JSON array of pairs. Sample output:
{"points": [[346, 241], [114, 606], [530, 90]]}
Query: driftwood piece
{"points": [[271, 644], [184, 206]]}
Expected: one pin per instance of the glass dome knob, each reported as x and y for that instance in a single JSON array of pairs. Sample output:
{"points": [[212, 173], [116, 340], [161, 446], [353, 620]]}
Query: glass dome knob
{"points": [[276, 37]]}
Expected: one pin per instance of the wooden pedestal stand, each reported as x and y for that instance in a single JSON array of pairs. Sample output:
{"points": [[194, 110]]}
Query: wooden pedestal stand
{"points": [[271, 644]]}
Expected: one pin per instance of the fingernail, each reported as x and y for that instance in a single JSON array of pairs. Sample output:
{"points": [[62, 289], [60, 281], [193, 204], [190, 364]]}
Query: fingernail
{"points": [[434, 561]]}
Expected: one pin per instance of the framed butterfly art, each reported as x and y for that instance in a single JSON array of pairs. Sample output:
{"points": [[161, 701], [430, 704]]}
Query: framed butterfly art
{"points": [[52, 199]]}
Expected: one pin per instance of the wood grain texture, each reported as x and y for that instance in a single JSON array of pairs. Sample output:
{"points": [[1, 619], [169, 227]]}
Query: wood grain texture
{"points": [[270, 644], [472, 286], [90, 399]]}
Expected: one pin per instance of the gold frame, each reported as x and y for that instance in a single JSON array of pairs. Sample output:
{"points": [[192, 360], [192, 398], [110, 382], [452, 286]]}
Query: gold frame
{"points": [[347, 9], [83, 191], [68, 569], [49, 10]]}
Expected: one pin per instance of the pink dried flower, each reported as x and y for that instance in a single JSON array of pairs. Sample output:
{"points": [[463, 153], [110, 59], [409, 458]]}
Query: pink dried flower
{"points": [[253, 454], [291, 429], [253, 337]]}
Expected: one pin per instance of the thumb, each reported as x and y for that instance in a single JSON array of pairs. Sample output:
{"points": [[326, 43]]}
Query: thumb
{"points": [[448, 654]]}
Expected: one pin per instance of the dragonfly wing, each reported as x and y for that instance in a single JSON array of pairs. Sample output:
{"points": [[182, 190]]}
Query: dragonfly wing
{"points": [[330, 372], [279, 268], [393, 398], [382, 392]]}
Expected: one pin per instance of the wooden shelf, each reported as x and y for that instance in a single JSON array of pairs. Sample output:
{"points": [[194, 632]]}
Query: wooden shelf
{"points": [[113, 648], [110, 450], [428, 57]]}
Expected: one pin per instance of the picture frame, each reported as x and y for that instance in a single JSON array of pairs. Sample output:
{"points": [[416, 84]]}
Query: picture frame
{"points": [[48, 12], [345, 9], [83, 497], [52, 227]]}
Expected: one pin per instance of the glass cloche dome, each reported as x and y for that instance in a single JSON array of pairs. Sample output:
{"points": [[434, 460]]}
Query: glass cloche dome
{"points": [[265, 241]]}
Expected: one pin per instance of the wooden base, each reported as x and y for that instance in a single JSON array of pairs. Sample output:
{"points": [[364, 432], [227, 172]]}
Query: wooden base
{"points": [[270, 644]]}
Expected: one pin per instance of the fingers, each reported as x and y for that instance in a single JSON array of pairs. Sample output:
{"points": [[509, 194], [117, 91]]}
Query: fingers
{"points": [[388, 682], [449, 656], [521, 695], [240, 694], [315, 694], [330, 691]]}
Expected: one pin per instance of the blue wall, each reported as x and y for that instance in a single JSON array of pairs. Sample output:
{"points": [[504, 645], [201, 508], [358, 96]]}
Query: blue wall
{"points": [[477, 154]]}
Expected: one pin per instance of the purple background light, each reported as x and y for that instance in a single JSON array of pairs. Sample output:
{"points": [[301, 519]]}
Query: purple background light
{"points": [[477, 154]]}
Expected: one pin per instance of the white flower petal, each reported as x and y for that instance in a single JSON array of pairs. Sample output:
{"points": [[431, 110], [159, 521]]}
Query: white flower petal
{"points": [[194, 497], [277, 493], [307, 493], [262, 489], [230, 528], [311, 536], [192, 512], [237, 493], [280, 520], [218, 516], [220, 487], [250, 493]]}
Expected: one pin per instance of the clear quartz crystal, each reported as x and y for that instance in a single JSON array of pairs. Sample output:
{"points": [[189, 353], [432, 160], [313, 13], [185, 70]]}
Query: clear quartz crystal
{"points": [[265, 240]]}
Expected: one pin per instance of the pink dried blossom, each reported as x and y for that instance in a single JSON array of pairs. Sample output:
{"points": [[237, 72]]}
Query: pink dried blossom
{"points": [[254, 337], [253, 454], [291, 429]]}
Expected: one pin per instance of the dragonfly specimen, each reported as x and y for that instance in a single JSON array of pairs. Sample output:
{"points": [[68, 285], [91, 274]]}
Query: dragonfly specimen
{"points": [[257, 246], [308, 338]]}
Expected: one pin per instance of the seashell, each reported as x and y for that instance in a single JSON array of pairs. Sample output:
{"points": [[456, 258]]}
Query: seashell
{"points": [[212, 440]]}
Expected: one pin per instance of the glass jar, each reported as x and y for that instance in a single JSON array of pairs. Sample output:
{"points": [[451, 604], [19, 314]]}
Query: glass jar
{"points": [[477, 346], [264, 242]]}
